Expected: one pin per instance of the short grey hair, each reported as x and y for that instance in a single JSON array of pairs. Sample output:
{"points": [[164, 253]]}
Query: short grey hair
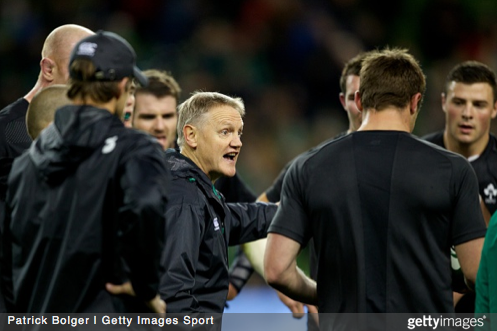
{"points": [[192, 110]]}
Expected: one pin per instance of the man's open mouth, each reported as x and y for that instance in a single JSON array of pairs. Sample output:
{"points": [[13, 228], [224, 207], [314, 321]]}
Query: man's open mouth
{"points": [[230, 156]]}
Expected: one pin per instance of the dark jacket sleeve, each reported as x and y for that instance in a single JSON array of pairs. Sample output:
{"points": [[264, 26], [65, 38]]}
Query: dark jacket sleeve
{"points": [[142, 220], [184, 228], [235, 189], [250, 221]]}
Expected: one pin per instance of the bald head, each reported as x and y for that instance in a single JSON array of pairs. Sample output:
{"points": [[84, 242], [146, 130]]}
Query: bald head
{"points": [[41, 110], [58, 47]]}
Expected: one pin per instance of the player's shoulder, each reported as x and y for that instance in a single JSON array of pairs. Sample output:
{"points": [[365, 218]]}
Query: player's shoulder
{"points": [[435, 138], [14, 110], [329, 148], [430, 147], [493, 145]]}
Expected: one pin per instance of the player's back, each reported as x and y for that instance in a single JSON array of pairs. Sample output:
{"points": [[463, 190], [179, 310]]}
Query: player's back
{"points": [[385, 208]]}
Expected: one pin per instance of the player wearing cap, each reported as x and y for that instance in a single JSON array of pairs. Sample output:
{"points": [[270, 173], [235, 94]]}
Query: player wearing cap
{"points": [[85, 205]]}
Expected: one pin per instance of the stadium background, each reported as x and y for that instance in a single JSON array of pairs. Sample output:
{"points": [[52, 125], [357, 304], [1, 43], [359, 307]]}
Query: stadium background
{"points": [[283, 57]]}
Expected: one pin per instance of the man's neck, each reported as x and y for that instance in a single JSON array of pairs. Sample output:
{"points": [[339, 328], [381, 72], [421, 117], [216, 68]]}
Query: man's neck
{"points": [[190, 153], [388, 119], [37, 88], [467, 150]]}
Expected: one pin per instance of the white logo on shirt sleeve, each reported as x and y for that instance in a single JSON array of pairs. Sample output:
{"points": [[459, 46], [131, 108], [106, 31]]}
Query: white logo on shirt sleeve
{"points": [[110, 144], [490, 193]]}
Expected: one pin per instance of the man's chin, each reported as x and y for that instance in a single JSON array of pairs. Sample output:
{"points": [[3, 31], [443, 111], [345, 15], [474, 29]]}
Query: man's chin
{"points": [[164, 143], [229, 173]]}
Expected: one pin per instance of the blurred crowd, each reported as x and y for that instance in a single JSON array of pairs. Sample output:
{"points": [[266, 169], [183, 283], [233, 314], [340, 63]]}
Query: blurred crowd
{"points": [[283, 57]]}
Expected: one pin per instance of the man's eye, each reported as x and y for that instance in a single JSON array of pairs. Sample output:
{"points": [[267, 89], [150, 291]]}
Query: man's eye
{"points": [[224, 132], [480, 105]]}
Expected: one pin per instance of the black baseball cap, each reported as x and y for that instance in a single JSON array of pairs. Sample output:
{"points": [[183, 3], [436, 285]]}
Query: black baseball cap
{"points": [[113, 57]]}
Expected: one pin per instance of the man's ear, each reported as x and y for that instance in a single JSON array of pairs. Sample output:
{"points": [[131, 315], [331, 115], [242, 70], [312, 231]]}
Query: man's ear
{"points": [[443, 99], [357, 100], [493, 114], [190, 133], [341, 96], [414, 106], [47, 66]]}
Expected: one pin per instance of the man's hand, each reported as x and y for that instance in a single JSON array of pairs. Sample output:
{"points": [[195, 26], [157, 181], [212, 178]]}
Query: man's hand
{"points": [[456, 297], [232, 292], [297, 308], [125, 288], [313, 312], [157, 305]]}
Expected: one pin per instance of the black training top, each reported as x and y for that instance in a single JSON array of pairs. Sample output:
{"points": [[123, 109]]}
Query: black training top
{"points": [[273, 193], [14, 138], [235, 189], [384, 209], [484, 166]]}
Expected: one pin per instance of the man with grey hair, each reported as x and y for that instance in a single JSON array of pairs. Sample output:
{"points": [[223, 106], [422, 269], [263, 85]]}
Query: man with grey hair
{"points": [[199, 223]]}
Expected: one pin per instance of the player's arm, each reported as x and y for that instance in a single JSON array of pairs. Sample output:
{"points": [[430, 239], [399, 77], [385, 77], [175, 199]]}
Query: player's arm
{"points": [[469, 254], [485, 212], [282, 273], [255, 250]]}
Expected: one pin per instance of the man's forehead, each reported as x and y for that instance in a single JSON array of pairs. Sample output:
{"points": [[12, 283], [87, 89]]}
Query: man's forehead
{"points": [[234, 122], [462, 86], [352, 83], [146, 109], [150, 102]]}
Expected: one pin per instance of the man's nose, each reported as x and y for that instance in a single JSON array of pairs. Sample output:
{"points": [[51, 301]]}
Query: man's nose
{"points": [[159, 124], [467, 112], [236, 141]]}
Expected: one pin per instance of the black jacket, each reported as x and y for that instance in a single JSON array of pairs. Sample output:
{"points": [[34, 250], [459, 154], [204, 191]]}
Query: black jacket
{"points": [[85, 206], [199, 226]]}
